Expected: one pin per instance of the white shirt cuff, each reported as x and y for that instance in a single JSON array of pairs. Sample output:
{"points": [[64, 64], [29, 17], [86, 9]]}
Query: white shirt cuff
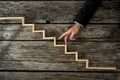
{"points": [[78, 24]]}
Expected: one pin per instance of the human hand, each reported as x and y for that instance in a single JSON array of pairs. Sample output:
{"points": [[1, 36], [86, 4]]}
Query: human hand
{"points": [[70, 33]]}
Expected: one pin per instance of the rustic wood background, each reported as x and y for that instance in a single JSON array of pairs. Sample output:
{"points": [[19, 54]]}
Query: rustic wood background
{"points": [[25, 56]]}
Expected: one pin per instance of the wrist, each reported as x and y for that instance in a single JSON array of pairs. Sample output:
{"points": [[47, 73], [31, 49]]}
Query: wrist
{"points": [[77, 26]]}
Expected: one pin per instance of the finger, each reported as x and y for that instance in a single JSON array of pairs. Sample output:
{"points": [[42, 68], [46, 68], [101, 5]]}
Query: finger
{"points": [[74, 39], [65, 39], [72, 36], [62, 36]]}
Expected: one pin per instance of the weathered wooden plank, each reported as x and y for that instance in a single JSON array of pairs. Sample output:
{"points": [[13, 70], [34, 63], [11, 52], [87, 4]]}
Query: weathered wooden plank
{"points": [[106, 52], [42, 55], [55, 75], [34, 56], [17, 32], [118, 78], [36, 65], [58, 11]]}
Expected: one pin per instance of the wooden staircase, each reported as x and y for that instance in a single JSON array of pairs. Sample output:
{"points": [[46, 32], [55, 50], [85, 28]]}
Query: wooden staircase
{"points": [[55, 44], [27, 56]]}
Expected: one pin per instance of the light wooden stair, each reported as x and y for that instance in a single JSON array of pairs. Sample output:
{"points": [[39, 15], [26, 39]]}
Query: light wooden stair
{"points": [[57, 45]]}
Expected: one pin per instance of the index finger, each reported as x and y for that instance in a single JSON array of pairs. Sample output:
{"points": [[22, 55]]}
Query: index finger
{"points": [[65, 40], [63, 35]]}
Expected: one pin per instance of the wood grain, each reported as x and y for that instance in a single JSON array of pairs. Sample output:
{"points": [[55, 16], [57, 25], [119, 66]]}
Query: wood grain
{"points": [[42, 55], [24, 55], [66, 52], [58, 76], [93, 31], [58, 11]]}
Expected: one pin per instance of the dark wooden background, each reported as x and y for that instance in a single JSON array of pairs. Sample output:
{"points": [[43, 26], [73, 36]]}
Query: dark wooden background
{"points": [[25, 56]]}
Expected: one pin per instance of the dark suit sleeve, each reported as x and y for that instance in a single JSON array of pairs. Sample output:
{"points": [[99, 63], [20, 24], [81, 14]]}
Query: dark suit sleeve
{"points": [[87, 11]]}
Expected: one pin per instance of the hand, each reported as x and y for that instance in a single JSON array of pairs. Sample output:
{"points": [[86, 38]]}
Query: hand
{"points": [[70, 33]]}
